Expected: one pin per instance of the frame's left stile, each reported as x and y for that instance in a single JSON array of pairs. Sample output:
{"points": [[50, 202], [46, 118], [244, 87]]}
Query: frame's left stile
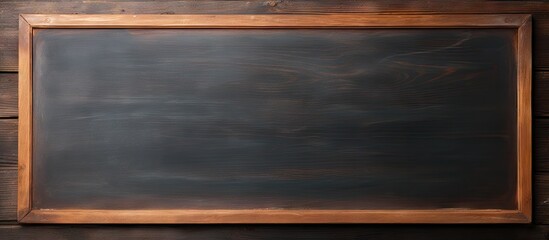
{"points": [[25, 119], [521, 23]]}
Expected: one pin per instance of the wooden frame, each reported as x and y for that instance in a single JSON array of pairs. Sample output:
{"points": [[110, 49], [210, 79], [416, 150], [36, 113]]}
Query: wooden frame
{"points": [[522, 24]]}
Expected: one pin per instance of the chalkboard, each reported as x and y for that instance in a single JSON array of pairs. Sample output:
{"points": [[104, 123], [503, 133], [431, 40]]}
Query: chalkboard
{"points": [[307, 119]]}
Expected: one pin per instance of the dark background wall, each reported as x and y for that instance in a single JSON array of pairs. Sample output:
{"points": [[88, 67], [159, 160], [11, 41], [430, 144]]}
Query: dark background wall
{"points": [[9, 10]]}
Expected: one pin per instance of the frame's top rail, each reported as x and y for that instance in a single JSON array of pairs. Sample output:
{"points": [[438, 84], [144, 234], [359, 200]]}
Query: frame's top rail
{"points": [[275, 21]]}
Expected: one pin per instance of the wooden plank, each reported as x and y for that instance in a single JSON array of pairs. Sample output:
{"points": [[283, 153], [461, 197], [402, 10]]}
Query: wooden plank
{"points": [[540, 95], [541, 146], [265, 232], [541, 168], [8, 95], [541, 207], [540, 38], [414, 6], [524, 118], [10, 10], [8, 143], [8, 194], [24, 151], [275, 216], [278, 21]]}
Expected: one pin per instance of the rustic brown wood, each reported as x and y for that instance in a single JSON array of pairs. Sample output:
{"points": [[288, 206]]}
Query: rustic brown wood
{"points": [[540, 36], [524, 118], [8, 194], [8, 143], [8, 95], [301, 232], [541, 167], [541, 174], [275, 21], [521, 215], [541, 145], [541, 202], [10, 10], [25, 119], [8, 170], [540, 97], [275, 216]]}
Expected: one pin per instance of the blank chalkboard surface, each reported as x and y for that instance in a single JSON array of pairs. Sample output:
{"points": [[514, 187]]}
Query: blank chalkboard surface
{"points": [[274, 119]]}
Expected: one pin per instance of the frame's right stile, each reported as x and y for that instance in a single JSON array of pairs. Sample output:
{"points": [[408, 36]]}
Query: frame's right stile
{"points": [[524, 117]]}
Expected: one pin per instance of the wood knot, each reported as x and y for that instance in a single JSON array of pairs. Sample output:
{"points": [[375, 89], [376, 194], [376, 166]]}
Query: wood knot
{"points": [[273, 3]]}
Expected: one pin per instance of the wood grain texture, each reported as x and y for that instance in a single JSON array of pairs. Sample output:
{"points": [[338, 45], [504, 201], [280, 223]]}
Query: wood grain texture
{"points": [[541, 206], [524, 117], [275, 232], [541, 94], [11, 9], [541, 174], [24, 150], [541, 145], [8, 143], [8, 95], [540, 37], [8, 195], [274, 216], [275, 21]]}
